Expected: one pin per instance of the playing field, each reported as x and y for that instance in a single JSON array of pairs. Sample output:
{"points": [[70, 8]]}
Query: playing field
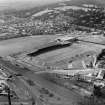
{"points": [[17, 45], [60, 56]]}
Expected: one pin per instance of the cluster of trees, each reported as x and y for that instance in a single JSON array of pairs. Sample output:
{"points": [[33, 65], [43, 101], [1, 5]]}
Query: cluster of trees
{"points": [[101, 59], [93, 18], [67, 20]]}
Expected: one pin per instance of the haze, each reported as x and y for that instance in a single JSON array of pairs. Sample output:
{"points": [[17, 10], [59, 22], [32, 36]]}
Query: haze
{"points": [[25, 4], [20, 4]]}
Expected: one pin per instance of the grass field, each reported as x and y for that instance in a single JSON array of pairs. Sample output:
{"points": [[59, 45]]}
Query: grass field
{"points": [[61, 56], [55, 57], [11, 46]]}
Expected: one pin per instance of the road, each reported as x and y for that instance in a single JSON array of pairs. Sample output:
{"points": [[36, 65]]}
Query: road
{"points": [[68, 97]]}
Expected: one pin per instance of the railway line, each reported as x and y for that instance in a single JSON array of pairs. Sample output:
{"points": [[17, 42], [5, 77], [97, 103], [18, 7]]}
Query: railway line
{"points": [[67, 96]]}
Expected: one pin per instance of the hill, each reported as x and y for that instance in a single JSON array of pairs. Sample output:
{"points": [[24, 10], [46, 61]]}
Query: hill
{"points": [[58, 18]]}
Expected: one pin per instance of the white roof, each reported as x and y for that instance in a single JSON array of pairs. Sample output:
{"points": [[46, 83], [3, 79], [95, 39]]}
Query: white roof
{"points": [[66, 38]]}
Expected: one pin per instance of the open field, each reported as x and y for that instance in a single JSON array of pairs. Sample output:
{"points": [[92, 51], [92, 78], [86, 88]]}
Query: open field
{"points": [[95, 38], [54, 56], [59, 57], [8, 47]]}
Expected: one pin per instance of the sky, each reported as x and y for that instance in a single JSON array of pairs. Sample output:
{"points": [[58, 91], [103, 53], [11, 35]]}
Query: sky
{"points": [[10, 4], [23, 4], [35, 1]]}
